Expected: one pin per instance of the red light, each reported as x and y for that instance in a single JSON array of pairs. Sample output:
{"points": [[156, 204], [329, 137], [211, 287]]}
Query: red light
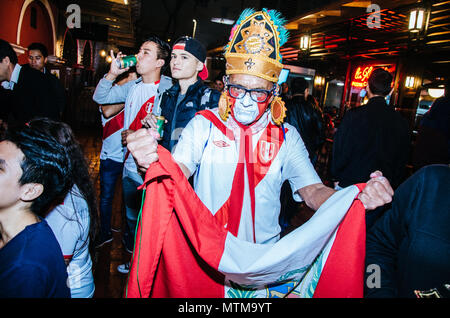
{"points": [[362, 75]]}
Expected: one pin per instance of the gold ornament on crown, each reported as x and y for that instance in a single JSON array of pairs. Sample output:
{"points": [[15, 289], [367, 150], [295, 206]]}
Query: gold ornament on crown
{"points": [[278, 110], [224, 106], [251, 55]]}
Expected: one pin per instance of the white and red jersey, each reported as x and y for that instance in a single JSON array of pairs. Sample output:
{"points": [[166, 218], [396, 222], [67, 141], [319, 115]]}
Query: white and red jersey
{"points": [[112, 137], [224, 155], [140, 102], [70, 223]]}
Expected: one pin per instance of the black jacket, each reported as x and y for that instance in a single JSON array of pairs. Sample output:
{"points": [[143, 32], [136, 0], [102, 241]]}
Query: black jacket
{"points": [[308, 119], [198, 97], [433, 140], [32, 96], [371, 137], [59, 93], [410, 244]]}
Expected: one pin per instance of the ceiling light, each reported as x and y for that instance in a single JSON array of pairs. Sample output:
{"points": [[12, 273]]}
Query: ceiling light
{"points": [[436, 92], [305, 42], [222, 21], [409, 83], [416, 20]]}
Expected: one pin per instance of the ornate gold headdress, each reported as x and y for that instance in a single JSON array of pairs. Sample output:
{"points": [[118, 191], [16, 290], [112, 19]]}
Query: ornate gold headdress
{"points": [[254, 49], [255, 42]]}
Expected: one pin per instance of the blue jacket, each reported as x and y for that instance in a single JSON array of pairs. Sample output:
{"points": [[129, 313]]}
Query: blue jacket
{"points": [[198, 97]]}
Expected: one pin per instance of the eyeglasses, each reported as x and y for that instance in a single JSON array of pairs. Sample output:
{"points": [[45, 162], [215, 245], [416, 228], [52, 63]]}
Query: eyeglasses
{"points": [[257, 95]]}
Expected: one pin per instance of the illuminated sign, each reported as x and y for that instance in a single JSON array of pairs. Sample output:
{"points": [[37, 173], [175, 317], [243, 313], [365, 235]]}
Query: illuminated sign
{"points": [[363, 73]]}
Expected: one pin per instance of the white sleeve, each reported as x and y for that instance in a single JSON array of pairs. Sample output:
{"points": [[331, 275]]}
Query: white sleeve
{"points": [[192, 142], [65, 226], [298, 168], [107, 93]]}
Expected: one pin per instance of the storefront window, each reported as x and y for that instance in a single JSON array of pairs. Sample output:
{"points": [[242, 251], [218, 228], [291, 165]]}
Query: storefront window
{"points": [[333, 94], [359, 82]]}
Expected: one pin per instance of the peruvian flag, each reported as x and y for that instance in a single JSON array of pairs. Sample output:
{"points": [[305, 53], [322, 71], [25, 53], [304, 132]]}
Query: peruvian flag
{"points": [[182, 251]]}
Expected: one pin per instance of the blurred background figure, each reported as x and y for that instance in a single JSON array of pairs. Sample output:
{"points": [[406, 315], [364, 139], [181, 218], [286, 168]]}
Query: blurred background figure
{"points": [[25, 88], [371, 137], [304, 114], [218, 83], [37, 59], [433, 140], [285, 94], [74, 222]]}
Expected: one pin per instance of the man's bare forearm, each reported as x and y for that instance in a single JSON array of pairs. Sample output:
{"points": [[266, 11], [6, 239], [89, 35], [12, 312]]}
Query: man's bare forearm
{"points": [[315, 195]]}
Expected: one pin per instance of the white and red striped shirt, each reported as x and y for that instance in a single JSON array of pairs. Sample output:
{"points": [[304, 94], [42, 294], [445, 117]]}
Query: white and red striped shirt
{"points": [[139, 103], [70, 222], [112, 139], [214, 154]]}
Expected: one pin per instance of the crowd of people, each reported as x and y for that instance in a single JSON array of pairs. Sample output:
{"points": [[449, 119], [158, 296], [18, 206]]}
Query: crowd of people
{"points": [[51, 220]]}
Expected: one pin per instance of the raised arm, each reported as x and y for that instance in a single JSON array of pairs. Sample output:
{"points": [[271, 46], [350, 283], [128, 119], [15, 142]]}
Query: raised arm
{"points": [[105, 93]]}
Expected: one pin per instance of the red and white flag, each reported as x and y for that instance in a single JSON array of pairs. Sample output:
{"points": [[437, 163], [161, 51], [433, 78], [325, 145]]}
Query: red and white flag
{"points": [[182, 251]]}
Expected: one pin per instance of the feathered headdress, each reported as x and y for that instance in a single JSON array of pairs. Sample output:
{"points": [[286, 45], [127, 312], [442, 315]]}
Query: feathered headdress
{"points": [[255, 42]]}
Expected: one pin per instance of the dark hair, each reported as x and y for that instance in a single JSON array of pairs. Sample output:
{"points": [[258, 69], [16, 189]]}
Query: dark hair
{"points": [[380, 82], [298, 85], [6, 50], [40, 47], [79, 173], [45, 162], [163, 50]]}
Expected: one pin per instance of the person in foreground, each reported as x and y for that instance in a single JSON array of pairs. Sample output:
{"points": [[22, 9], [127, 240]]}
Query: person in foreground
{"points": [[238, 182], [408, 248], [34, 172]]}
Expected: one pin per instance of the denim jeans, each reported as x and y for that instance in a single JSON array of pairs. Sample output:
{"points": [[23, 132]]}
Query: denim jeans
{"points": [[132, 198], [110, 171]]}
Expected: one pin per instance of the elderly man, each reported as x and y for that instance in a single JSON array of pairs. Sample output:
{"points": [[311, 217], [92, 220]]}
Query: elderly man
{"points": [[241, 152]]}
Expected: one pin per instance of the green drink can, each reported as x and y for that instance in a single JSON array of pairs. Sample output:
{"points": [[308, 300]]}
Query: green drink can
{"points": [[126, 61], [160, 125]]}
